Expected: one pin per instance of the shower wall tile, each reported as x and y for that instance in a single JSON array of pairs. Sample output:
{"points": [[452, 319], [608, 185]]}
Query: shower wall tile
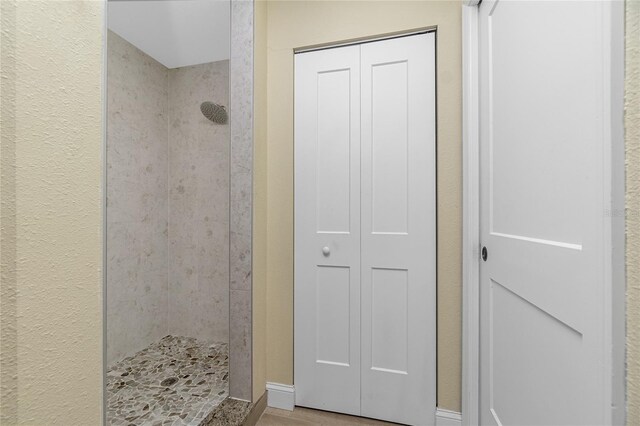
{"points": [[241, 163], [241, 142], [198, 303], [137, 202], [167, 202], [240, 344]]}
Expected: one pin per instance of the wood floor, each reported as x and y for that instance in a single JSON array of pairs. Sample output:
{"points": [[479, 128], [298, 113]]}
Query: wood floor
{"points": [[307, 417]]}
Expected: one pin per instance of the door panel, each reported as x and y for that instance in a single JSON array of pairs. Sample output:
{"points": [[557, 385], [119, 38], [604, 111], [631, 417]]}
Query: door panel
{"points": [[327, 214], [398, 229], [515, 352], [332, 312], [389, 322], [333, 151], [389, 94], [542, 134]]}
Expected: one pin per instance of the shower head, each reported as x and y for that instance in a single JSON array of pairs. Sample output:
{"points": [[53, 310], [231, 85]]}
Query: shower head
{"points": [[214, 112]]}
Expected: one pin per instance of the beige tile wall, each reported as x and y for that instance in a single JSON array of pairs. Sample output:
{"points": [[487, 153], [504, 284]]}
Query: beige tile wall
{"points": [[137, 203], [167, 202], [241, 199], [198, 204]]}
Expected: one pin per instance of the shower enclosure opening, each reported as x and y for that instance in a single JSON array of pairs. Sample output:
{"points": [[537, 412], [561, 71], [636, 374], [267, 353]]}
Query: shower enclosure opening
{"points": [[167, 211]]}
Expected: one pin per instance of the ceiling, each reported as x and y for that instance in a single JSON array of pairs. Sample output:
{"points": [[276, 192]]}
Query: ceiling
{"points": [[176, 33]]}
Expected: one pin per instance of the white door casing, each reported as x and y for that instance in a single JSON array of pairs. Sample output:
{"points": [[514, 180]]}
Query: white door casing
{"points": [[544, 136], [365, 309]]}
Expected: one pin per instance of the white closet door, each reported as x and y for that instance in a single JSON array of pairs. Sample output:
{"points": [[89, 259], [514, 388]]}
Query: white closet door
{"points": [[327, 229], [398, 230], [369, 353]]}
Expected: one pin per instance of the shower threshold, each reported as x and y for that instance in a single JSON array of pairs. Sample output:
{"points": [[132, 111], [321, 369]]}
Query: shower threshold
{"points": [[175, 381]]}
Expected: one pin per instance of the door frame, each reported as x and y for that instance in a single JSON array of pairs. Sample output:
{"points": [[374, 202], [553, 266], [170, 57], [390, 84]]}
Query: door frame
{"points": [[613, 215]]}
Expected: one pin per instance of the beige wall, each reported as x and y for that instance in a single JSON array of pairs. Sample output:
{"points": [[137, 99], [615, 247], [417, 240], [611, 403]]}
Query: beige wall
{"points": [[51, 235], [303, 23], [259, 267], [632, 129]]}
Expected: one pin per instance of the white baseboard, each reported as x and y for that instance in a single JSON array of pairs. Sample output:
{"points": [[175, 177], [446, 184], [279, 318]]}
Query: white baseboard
{"points": [[448, 418], [281, 396]]}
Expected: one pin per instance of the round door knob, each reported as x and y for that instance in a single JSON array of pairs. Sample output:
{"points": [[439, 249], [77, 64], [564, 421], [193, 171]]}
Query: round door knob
{"points": [[326, 251]]}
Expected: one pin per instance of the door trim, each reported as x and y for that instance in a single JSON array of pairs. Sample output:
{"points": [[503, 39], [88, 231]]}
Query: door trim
{"points": [[282, 397], [470, 217], [613, 215], [366, 39]]}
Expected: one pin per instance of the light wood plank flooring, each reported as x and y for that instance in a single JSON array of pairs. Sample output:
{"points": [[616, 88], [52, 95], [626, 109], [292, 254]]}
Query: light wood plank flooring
{"points": [[307, 417]]}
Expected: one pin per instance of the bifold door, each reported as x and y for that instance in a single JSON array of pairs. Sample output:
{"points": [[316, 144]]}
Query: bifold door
{"points": [[365, 229]]}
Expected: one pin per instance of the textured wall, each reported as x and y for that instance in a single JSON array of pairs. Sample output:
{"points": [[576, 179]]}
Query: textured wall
{"points": [[240, 199], [198, 204], [137, 202], [632, 130], [303, 23], [51, 143]]}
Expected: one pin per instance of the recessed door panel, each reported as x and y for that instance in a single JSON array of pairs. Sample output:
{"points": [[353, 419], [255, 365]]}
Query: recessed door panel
{"points": [[389, 322], [333, 314], [522, 335], [389, 147], [333, 163], [537, 120]]}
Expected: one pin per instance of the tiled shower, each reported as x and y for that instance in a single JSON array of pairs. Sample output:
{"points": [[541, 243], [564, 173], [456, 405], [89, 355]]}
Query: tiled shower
{"points": [[167, 239]]}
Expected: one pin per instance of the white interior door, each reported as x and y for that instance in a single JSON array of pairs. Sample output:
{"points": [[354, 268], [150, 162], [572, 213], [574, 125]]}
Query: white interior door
{"points": [[327, 229], [399, 230], [365, 233], [543, 140]]}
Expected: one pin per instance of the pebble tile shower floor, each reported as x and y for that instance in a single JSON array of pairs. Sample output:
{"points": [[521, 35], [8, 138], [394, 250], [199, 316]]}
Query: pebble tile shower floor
{"points": [[176, 381]]}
